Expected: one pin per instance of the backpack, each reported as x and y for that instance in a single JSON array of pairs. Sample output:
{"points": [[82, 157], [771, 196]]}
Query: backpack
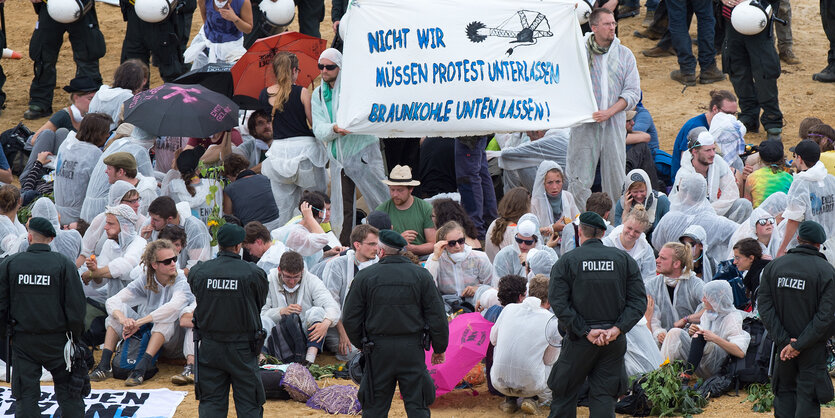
{"points": [[755, 367], [130, 351], [271, 380], [13, 142], [726, 270], [635, 403], [288, 341]]}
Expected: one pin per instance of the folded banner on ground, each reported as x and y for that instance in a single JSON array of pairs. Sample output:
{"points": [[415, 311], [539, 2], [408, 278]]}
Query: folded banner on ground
{"points": [[107, 403], [451, 68]]}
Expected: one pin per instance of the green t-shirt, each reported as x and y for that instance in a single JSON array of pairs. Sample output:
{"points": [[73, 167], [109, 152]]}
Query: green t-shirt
{"points": [[417, 218]]}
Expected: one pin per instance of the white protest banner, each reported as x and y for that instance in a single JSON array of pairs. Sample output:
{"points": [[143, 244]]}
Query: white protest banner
{"points": [[106, 403], [449, 68]]}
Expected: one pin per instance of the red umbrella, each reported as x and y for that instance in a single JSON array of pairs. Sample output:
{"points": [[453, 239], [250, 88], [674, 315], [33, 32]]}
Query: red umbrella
{"points": [[254, 70]]}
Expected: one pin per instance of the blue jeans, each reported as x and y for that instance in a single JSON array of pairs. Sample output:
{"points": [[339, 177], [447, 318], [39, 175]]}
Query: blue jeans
{"points": [[651, 5], [475, 184], [677, 12]]}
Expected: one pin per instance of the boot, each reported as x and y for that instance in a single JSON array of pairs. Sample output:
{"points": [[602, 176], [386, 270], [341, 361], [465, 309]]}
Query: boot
{"points": [[683, 78], [788, 57], [711, 75], [627, 11], [648, 18], [648, 34], [658, 52], [774, 134], [827, 75]]}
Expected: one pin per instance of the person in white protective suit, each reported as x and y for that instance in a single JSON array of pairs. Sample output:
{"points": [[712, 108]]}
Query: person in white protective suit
{"points": [[705, 346], [458, 270], [338, 275], [676, 291], [729, 134], [630, 237], [522, 357], [690, 207], [293, 290], [355, 160], [258, 141], [811, 197], [162, 212], [554, 207], [129, 79], [306, 236], [511, 259], [642, 353], [539, 262], [722, 190], [74, 167], [617, 87], [501, 231], [121, 192], [522, 152], [12, 232], [122, 251], [599, 203], [260, 244], [704, 264], [66, 241], [766, 225], [137, 144], [638, 190], [156, 298], [185, 185]]}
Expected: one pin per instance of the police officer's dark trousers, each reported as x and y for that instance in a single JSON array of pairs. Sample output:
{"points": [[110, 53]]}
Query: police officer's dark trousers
{"points": [[222, 363], [801, 384], [160, 41], [827, 10], [87, 46], [29, 353], [311, 14], [604, 368], [753, 66], [395, 360]]}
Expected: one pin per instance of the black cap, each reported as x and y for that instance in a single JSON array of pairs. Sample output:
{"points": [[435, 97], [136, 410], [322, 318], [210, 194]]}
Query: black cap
{"points": [[230, 235], [42, 226], [392, 239], [189, 159], [811, 231], [592, 219], [378, 219], [771, 151], [83, 84], [808, 150]]}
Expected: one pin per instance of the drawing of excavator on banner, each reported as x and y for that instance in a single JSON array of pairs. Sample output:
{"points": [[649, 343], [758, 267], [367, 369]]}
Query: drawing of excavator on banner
{"points": [[523, 26]]}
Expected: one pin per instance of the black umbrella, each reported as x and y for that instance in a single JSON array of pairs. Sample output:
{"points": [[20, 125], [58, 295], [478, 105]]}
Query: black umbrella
{"points": [[181, 110], [217, 77]]}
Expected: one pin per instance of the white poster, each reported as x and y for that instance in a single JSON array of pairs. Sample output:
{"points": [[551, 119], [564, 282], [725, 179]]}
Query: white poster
{"points": [[448, 68], [106, 403]]}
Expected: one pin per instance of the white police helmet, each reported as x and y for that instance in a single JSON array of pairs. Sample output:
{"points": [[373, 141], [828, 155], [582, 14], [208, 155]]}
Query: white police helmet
{"points": [[750, 17], [279, 13], [68, 11], [583, 11], [154, 11]]}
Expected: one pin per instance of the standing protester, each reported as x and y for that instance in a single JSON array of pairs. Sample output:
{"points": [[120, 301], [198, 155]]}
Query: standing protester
{"points": [[87, 46], [229, 293], [679, 25], [598, 295], [159, 41], [40, 293], [797, 304], [387, 308]]}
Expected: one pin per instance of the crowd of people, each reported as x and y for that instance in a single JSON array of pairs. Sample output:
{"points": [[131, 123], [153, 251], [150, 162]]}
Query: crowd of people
{"points": [[520, 226]]}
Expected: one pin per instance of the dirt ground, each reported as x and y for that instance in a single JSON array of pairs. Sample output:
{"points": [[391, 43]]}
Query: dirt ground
{"points": [[670, 105]]}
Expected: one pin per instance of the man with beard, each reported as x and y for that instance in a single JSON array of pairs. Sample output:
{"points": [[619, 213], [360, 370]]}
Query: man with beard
{"points": [[410, 216]]}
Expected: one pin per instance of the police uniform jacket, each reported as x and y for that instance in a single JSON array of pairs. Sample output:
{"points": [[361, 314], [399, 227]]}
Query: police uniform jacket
{"points": [[230, 293], [395, 298], [595, 286], [797, 297], [40, 289]]}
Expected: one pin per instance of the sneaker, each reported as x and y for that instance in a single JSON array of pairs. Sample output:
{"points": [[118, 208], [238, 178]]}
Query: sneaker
{"points": [[135, 378], [184, 378], [98, 375], [529, 407], [648, 18], [788, 57], [647, 34], [686, 79], [827, 75], [508, 407], [775, 134], [627, 11], [711, 75], [658, 52], [36, 112]]}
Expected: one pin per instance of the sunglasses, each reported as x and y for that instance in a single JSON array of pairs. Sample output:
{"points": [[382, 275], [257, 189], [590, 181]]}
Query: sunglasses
{"points": [[168, 261], [525, 241], [130, 201], [180, 227], [330, 67], [764, 221], [454, 242]]}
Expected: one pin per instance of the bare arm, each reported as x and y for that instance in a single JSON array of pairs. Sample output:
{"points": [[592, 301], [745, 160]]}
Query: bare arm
{"points": [[791, 230], [305, 96], [227, 204], [637, 137]]}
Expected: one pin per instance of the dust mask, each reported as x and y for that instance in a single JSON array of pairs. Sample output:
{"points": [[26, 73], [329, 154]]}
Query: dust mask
{"points": [[458, 257], [291, 289], [220, 4]]}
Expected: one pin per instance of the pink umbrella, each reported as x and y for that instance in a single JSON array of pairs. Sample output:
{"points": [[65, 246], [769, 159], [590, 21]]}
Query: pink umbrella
{"points": [[469, 336]]}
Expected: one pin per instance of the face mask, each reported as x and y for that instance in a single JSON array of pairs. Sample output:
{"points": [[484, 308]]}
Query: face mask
{"points": [[458, 257], [365, 264], [670, 281], [76, 114], [220, 4], [291, 289]]}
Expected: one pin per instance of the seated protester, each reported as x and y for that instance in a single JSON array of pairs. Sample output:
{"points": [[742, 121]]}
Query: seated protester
{"points": [[33, 184], [638, 192], [255, 146], [293, 290], [66, 241], [458, 270], [218, 146], [748, 258], [157, 299], [522, 152], [511, 259], [129, 79], [690, 207], [305, 235], [553, 206], [599, 203], [642, 353], [448, 210], [162, 212], [185, 185], [722, 190], [630, 237], [260, 245], [515, 203], [186, 377], [773, 177], [823, 135], [410, 216], [121, 192], [762, 227], [639, 154], [539, 262], [122, 166], [676, 290], [119, 255], [704, 265], [338, 276], [719, 333], [522, 357], [248, 195], [76, 157], [729, 136], [512, 289], [12, 232]]}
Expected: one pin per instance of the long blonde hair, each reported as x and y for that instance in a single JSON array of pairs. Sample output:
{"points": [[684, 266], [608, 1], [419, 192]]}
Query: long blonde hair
{"points": [[149, 257], [283, 66]]}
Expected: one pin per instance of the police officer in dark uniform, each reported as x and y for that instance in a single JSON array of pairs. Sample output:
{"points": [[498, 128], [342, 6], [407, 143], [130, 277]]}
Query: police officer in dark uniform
{"points": [[161, 41], [229, 293], [598, 295], [41, 301], [797, 305], [388, 308], [87, 46]]}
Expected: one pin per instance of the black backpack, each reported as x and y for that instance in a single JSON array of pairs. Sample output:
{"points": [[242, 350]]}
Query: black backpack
{"points": [[755, 367], [726, 270], [14, 142], [635, 403], [287, 341]]}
